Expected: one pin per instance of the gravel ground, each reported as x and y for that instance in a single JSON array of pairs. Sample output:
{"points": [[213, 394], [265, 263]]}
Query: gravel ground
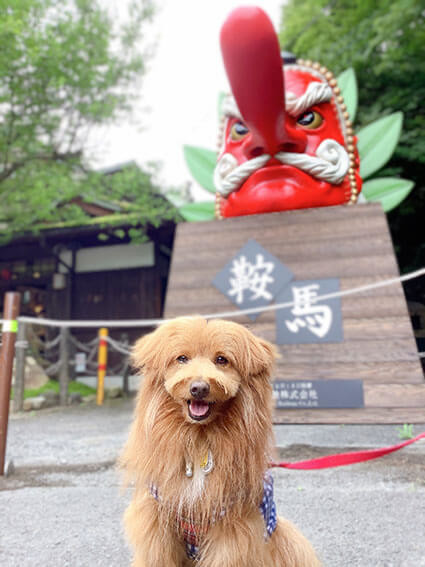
{"points": [[63, 505]]}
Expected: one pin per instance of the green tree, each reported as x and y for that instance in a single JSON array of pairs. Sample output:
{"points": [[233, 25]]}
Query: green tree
{"points": [[384, 41], [66, 67]]}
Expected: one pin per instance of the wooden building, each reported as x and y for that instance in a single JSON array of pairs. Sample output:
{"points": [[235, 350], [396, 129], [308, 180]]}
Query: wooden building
{"points": [[67, 272]]}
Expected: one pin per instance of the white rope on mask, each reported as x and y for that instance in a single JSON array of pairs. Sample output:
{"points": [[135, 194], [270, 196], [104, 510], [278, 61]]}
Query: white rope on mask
{"points": [[228, 176], [315, 94], [330, 164]]}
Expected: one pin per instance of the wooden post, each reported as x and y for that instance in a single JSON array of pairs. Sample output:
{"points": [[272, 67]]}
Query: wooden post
{"points": [[101, 368], [10, 328], [19, 386], [64, 366]]}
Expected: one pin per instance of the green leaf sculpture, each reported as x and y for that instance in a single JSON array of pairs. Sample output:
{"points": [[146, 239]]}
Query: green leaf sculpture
{"points": [[196, 212], [347, 82], [389, 191], [377, 142], [201, 163]]}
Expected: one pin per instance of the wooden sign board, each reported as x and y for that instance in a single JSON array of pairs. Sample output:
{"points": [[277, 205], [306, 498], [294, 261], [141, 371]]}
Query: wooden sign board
{"points": [[352, 244]]}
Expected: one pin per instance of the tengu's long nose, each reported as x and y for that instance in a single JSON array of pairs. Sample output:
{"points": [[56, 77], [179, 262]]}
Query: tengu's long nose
{"points": [[199, 389], [253, 63]]}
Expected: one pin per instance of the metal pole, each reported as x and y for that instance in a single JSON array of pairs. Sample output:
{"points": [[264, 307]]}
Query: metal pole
{"points": [[10, 328], [101, 365], [64, 366], [19, 386]]}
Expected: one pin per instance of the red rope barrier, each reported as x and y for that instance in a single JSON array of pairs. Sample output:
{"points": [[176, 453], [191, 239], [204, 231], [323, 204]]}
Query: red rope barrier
{"points": [[343, 459]]}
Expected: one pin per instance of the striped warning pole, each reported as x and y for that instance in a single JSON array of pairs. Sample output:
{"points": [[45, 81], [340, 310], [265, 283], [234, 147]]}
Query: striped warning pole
{"points": [[101, 365], [7, 352]]}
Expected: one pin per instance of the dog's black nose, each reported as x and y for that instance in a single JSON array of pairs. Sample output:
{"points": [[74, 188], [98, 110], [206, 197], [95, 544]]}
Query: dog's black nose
{"points": [[199, 389]]}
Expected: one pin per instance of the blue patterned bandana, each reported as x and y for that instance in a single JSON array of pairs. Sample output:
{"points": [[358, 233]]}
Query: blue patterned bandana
{"points": [[268, 506], [192, 533]]}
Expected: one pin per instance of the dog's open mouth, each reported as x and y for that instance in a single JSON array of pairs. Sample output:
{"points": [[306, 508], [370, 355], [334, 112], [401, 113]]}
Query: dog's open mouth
{"points": [[198, 409]]}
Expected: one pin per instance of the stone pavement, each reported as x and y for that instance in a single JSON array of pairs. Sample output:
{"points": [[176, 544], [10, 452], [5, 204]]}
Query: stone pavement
{"points": [[63, 506]]}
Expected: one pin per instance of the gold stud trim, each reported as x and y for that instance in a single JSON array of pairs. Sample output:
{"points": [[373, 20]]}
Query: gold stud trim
{"points": [[217, 209]]}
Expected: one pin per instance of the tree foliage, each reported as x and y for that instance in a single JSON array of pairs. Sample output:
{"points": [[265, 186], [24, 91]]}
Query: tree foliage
{"points": [[384, 41], [66, 68]]}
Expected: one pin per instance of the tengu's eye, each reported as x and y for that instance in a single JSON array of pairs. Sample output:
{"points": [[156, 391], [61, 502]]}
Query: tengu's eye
{"points": [[238, 131], [221, 360], [310, 120], [182, 359]]}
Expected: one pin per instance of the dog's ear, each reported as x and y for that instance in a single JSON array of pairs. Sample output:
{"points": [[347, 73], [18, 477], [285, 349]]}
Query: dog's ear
{"points": [[147, 353], [258, 356]]}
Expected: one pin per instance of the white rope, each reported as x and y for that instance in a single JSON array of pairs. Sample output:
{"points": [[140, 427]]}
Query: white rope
{"points": [[91, 355], [19, 344], [50, 344], [53, 368], [315, 94], [92, 324], [330, 163], [45, 345], [222, 315], [84, 347], [119, 347], [229, 176]]}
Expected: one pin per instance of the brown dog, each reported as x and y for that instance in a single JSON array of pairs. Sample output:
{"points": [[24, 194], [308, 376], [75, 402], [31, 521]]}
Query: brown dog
{"points": [[199, 449]]}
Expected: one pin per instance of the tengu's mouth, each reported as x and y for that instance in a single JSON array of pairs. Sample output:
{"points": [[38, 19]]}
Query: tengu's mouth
{"points": [[198, 409]]}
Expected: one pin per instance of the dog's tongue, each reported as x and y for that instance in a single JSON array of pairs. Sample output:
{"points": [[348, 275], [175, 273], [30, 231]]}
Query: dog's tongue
{"points": [[198, 408]]}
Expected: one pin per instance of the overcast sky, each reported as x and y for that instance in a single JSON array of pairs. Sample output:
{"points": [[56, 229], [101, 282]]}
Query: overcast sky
{"points": [[181, 87]]}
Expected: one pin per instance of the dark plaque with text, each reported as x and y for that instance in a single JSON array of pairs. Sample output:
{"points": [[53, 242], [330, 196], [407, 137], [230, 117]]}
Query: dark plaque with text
{"points": [[315, 394]]}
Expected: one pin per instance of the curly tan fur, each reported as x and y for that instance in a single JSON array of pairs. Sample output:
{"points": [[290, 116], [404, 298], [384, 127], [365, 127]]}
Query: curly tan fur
{"points": [[237, 431]]}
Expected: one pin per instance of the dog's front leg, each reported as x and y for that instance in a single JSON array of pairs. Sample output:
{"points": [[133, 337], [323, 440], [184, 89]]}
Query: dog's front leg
{"points": [[154, 544], [236, 542]]}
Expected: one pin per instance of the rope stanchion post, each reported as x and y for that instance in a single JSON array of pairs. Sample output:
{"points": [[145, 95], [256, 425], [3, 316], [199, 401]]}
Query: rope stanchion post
{"points": [[19, 387], [10, 328], [64, 366], [101, 367]]}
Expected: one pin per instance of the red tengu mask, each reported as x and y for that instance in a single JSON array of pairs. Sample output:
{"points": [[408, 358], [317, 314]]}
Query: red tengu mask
{"points": [[286, 141]]}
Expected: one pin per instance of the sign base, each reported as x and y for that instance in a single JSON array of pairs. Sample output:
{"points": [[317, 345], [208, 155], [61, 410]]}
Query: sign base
{"points": [[352, 244]]}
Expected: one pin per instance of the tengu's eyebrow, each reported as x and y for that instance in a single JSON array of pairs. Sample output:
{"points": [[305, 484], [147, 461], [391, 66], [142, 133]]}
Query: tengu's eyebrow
{"points": [[230, 108], [316, 93]]}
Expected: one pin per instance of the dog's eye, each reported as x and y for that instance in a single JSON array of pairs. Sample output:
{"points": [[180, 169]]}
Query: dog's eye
{"points": [[222, 360], [182, 359]]}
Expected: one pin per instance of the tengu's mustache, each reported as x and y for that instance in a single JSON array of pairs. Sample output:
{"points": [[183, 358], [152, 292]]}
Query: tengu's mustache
{"points": [[331, 164]]}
